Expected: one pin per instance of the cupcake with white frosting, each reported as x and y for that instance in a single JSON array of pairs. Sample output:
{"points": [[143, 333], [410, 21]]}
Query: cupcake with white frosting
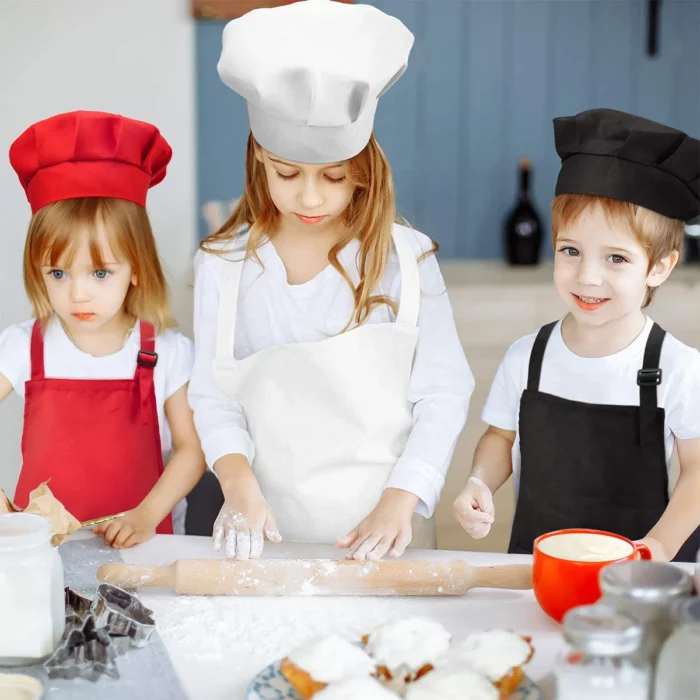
{"points": [[314, 665], [356, 689], [452, 684], [407, 649], [496, 654]]}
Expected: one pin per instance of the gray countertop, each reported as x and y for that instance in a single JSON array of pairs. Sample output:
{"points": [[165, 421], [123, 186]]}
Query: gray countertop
{"points": [[144, 673]]}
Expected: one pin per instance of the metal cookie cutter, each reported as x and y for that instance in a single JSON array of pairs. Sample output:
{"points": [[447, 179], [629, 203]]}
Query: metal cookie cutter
{"points": [[86, 653], [123, 617], [77, 611]]}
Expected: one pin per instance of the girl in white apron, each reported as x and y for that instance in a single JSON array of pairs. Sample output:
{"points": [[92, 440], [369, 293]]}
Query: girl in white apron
{"points": [[330, 385]]}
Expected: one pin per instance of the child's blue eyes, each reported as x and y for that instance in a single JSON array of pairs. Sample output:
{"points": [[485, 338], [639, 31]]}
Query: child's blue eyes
{"points": [[98, 274]]}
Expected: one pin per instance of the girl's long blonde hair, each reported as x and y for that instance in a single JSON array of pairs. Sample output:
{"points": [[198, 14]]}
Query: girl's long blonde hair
{"points": [[369, 217], [55, 233]]}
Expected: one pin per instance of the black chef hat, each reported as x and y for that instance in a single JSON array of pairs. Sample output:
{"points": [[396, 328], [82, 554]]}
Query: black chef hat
{"points": [[618, 155]]}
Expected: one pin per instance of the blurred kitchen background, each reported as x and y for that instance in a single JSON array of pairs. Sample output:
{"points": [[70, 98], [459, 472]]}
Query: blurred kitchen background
{"points": [[485, 79]]}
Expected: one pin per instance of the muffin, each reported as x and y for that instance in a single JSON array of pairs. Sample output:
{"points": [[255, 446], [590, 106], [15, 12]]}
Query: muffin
{"points": [[312, 666], [356, 689], [452, 683], [405, 650], [498, 655]]}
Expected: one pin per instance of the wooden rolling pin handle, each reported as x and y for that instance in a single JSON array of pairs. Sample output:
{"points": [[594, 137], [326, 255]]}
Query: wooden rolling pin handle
{"points": [[131, 576], [514, 577]]}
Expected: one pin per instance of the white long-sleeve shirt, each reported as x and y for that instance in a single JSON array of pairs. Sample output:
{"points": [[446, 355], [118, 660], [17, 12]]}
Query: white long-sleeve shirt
{"points": [[272, 312]]}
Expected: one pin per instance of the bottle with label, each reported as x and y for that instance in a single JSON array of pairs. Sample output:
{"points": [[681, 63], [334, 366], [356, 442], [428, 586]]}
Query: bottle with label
{"points": [[523, 232], [678, 672]]}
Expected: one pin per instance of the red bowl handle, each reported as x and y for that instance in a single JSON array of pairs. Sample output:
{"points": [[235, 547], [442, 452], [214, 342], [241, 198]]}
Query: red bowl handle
{"points": [[643, 551]]}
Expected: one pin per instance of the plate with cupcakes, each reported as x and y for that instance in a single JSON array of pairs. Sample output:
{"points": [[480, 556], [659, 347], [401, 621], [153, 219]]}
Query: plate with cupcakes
{"points": [[414, 659]]}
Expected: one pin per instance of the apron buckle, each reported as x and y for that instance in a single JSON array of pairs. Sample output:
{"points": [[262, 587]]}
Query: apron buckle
{"points": [[147, 359], [649, 377]]}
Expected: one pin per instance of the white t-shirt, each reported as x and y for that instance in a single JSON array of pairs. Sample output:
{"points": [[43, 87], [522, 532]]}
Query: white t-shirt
{"points": [[63, 360], [273, 312], [599, 380]]}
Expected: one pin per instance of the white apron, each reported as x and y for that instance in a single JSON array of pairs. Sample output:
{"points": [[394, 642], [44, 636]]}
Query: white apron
{"points": [[329, 419]]}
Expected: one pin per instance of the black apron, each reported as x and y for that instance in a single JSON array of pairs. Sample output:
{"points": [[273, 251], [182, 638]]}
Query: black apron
{"points": [[592, 466]]}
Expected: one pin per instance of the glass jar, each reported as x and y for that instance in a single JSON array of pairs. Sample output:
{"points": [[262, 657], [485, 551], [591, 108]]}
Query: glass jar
{"points": [[603, 659], [32, 599], [678, 666], [646, 590]]}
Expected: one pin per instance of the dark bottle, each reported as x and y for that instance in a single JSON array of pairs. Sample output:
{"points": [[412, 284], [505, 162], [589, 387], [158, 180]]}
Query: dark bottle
{"points": [[523, 229]]}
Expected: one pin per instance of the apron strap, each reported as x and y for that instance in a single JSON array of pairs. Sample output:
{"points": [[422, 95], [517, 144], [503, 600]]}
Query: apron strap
{"points": [[228, 307], [409, 301], [648, 378], [537, 355], [146, 361], [36, 352]]}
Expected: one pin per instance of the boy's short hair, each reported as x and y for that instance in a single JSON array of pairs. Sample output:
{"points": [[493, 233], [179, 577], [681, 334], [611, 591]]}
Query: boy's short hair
{"points": [[658, 234]]}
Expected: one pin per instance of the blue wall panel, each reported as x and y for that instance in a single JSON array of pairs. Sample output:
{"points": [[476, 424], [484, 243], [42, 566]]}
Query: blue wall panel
{"points": [[485, 79]]}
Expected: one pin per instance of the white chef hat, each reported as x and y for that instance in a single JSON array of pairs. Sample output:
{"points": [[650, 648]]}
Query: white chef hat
{"points": [[312, 73]]}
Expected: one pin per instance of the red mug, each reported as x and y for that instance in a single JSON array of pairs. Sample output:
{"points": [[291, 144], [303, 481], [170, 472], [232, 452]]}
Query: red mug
{"points": [[563, 584]]}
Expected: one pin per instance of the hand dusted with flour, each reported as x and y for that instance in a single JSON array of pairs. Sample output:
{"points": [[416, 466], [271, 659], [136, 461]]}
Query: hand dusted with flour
{"points": [[244, 535]]}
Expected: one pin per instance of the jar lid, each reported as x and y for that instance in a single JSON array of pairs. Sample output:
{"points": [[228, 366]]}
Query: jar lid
{"points": [[645, 581], [23, 530], [601, 630], [20, 687]]}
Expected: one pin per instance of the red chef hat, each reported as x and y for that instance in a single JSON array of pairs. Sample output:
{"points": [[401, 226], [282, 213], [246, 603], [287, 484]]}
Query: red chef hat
{"points": [[89, 154]]}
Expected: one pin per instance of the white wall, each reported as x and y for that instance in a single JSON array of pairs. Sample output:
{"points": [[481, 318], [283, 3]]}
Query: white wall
{"points": [[133, 57]]}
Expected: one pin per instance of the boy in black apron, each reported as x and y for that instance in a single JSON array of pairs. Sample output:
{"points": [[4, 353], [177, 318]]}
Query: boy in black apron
{"points": [[586, 412]]}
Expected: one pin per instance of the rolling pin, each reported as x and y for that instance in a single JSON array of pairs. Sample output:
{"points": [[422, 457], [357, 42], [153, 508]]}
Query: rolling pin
{"points": [[321, 577]]}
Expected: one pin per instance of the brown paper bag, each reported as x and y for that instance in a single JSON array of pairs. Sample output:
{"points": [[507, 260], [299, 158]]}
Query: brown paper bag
{"points": [[43, 502]]}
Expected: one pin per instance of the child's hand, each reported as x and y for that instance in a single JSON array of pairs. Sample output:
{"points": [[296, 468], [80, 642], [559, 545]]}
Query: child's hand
{"points": [[386, 529], [134, 527], [243, 525], [474, 508], [658, 552]]}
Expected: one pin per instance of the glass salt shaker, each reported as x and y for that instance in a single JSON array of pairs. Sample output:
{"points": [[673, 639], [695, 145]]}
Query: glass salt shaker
{"points": [[32, 598], [603, 659], [678, 666], [646, 590]]}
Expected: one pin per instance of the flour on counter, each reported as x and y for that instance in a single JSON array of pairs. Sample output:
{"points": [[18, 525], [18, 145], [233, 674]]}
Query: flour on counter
{"points": [[244, 634]]}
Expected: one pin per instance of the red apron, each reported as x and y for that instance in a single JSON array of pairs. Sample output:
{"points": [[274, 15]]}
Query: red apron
{"points": [[97, 440]]}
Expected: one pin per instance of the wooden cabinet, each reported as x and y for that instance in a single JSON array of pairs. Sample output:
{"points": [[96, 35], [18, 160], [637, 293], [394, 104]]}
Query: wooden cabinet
{"points": [[494, 306]]}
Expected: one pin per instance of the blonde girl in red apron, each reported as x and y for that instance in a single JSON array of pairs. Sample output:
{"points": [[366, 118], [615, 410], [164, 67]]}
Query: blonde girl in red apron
{"points": [[103, 380]]}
